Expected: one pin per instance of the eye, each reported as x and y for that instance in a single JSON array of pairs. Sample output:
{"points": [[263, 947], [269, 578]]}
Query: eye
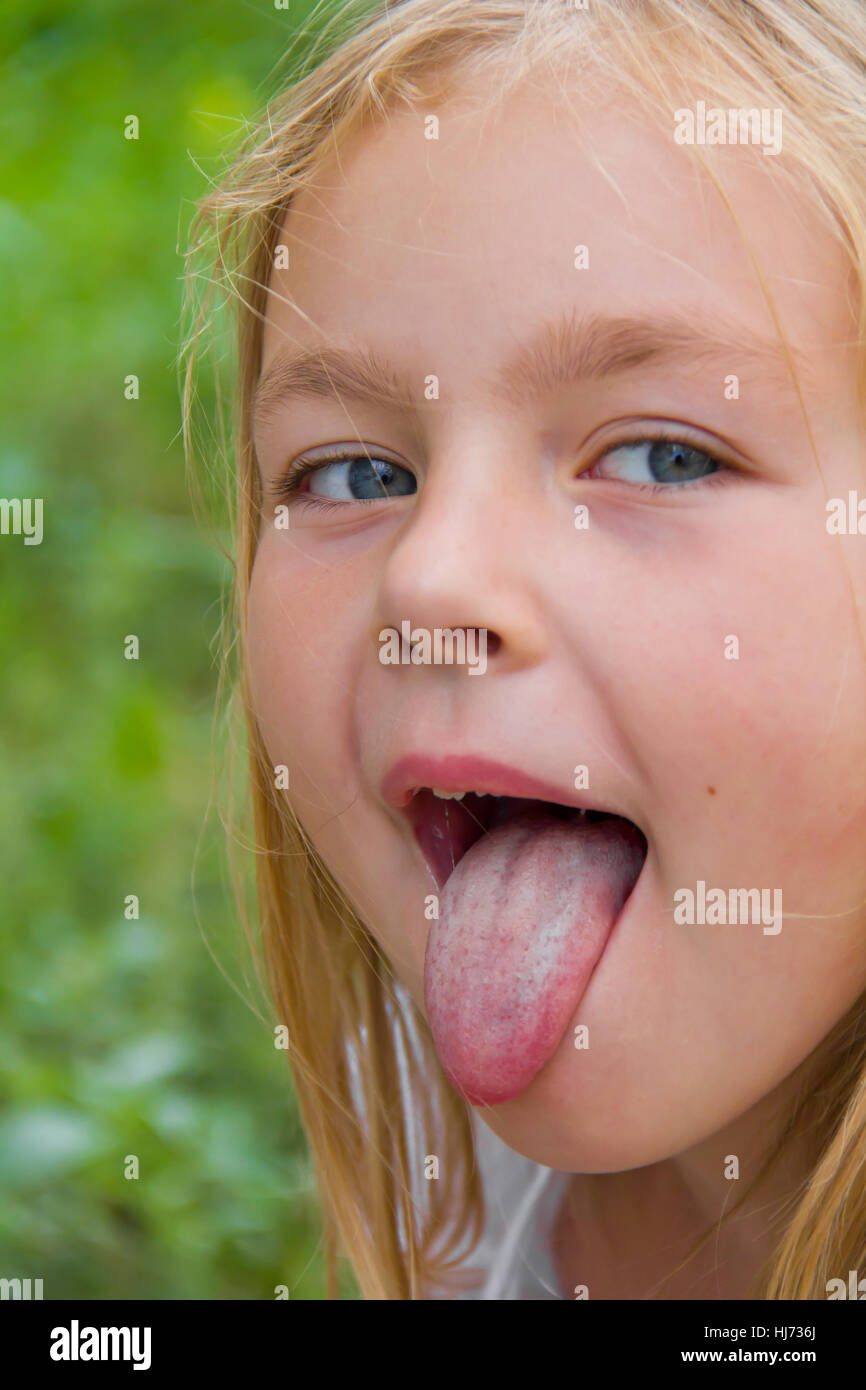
{"points": [[347, 478], [658, 462]]}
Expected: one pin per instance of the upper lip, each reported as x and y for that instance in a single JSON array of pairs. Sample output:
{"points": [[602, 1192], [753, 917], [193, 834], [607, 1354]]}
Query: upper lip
{"points": [[469, 772]]}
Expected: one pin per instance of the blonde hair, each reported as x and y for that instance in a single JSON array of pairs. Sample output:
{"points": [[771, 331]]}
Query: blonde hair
{"points": [[352, 1032]]}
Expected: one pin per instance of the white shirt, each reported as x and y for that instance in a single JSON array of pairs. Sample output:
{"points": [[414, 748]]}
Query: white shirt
{"points": [[522, 1199]]}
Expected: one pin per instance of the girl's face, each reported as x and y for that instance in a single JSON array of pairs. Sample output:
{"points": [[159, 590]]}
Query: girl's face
{"points": [[692, 638]]}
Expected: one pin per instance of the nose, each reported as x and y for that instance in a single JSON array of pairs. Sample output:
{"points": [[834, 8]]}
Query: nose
{"points": [[466, 557]]}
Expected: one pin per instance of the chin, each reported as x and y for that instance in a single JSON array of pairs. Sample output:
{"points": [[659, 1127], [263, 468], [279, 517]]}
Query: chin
{"points": [[573, 1134]]}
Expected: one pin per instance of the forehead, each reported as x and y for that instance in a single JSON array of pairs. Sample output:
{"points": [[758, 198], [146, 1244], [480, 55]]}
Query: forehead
{"points": [[415, 243]]}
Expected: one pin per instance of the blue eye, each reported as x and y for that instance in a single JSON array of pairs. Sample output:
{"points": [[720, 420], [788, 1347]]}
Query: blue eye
{"points": [[351, 478], [654, 465], [659, 461]]}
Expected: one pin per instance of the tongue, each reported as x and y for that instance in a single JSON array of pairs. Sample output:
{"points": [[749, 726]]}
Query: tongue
{"points": [[523, 919]]}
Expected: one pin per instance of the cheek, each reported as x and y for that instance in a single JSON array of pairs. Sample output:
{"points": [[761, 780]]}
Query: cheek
{"points": [[295, 664], [304, 647], [753, 685]]}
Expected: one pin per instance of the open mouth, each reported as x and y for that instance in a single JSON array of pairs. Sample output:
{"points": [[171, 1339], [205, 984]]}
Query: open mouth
{"points": [[447, 825]]}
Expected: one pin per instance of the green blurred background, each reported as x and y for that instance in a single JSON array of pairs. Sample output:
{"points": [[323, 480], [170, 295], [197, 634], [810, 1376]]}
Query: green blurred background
{"points": [[119, 1036]]}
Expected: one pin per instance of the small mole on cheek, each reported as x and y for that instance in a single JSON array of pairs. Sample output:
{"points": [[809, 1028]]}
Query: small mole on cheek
{"points": [[711, 790]]}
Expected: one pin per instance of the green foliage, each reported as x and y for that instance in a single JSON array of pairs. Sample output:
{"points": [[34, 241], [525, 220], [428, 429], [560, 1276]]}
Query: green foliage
{"points": [[123, 1037]]}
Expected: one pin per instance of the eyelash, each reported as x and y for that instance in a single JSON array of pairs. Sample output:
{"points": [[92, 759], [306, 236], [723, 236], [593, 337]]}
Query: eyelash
{"points": [[288, 487]]}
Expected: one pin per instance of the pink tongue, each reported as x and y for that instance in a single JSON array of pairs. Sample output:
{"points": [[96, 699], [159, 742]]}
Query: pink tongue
{"points": [[522, 921]]}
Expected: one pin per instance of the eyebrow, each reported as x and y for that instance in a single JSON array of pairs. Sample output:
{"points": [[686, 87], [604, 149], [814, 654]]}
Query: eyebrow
{"points": [[561, 352]]}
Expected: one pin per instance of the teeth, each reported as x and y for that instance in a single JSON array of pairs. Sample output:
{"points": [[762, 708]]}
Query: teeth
{"points": [[578, 811]]}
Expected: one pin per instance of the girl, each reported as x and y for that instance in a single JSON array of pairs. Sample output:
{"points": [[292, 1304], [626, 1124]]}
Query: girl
{"points": [[551, 329]]}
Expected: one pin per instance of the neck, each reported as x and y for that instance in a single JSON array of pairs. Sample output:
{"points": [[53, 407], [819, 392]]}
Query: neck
{"points": [[701, 1224]]}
